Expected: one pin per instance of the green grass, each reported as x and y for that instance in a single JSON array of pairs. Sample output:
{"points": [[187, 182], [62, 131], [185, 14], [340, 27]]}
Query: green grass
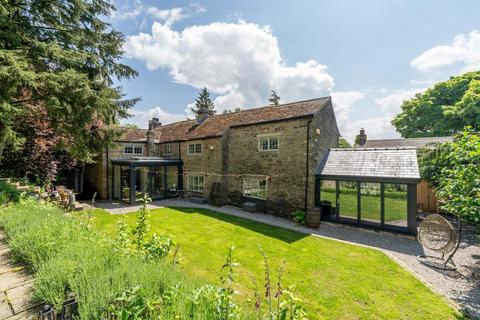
{"points": [[335, 280], [66, 255], [395, 208]]}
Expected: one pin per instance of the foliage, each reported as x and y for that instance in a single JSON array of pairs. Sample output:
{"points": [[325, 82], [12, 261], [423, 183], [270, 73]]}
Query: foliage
{"points": [[299, 216], [459, 182], [442, 110], [61, 57], [155, 247], [281, 304], [39, 158], [131, 304], [8, 193], [142, 226], [343, 143], [432, 160], [274, 99], [203, 102]]}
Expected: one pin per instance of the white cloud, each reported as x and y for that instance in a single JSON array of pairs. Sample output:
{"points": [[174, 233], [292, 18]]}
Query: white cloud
{"points": [[375, 128], [169, 16], [463, 51], [141, 117], [391, 103], [127, 10], [239, 62], [343, 103]]}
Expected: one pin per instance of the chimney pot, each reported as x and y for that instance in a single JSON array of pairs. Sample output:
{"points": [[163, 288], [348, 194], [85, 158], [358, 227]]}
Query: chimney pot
{"points": [[361, 139]]}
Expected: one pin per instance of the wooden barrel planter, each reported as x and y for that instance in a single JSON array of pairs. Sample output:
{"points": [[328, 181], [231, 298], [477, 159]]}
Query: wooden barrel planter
{"points": [[313, 218]]}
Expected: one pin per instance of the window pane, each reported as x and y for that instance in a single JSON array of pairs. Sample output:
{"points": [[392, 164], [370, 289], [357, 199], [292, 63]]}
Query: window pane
{"points": [[396, 204], [256, 188], [273, 143], [198, 148], [328, 198], [191, 148], [138, 150], [263, 143], [370, 203], [348, 200], [128, 149]]}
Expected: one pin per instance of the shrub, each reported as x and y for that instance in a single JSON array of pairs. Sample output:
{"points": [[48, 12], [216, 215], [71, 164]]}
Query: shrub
{"points": [[299, 216], [66, 255], [459, 183], [8, 193]]}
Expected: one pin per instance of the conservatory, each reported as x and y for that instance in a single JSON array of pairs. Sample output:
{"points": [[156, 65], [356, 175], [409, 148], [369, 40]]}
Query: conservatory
{"points": [[159, 178], [369, 187]]}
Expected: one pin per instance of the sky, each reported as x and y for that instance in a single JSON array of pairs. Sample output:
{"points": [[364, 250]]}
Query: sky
{"points": [[368, 55]]}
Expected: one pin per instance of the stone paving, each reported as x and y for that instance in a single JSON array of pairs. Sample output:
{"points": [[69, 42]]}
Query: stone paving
{"points": [[16, 287], [460, 287]]}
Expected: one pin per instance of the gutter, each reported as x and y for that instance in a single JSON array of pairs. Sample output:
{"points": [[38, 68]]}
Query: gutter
{"points": [[307, 165]]}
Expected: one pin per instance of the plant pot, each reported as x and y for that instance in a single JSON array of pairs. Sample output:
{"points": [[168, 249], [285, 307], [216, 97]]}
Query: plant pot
{"points": [[313, 218]]}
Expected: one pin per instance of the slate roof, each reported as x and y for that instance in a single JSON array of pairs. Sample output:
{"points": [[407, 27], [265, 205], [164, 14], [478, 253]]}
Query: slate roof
{"points": [[214, 126], [408, 142], [367, 164]]}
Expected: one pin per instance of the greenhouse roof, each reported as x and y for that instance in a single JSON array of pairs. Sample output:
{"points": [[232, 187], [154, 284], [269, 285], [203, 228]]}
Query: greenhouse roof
{"points": [[370, 164]]}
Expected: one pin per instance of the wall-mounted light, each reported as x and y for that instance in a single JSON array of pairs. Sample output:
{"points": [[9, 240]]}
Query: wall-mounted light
{"points": [[317, 131], [210, 147]]}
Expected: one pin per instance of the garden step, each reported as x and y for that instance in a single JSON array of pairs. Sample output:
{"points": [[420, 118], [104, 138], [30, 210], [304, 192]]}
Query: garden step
{"points": [[13, 279], [20, 297]]}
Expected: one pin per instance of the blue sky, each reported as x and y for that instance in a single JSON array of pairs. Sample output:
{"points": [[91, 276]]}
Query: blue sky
{"points": [[369, 55]]}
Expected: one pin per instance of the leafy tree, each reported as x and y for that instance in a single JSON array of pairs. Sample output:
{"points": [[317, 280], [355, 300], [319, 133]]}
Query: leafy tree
{"points": [[432, 160], [60, 56], [37, 159], [442, 110], [343, 143], [459, 182], [274, 99], [203, 102]]}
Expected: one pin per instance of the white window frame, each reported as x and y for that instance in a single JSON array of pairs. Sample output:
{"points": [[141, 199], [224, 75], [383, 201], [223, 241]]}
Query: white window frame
{"points": [[167, 149], [196, 182], [134, 147], [195, 150], [268, 139], [251, 183]]}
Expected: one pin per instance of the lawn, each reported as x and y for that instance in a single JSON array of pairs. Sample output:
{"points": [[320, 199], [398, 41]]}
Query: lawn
{"points": [[335, 280], [395, 208]]}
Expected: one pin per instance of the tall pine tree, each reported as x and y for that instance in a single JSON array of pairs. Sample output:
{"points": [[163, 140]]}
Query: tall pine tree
{"points": [[274, 99], [203, 103], [60, 56]]}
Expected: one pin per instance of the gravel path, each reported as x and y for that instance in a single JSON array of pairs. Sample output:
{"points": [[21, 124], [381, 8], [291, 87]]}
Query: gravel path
{"points": [[461, 287]]}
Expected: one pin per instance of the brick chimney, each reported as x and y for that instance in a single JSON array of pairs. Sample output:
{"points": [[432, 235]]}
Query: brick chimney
{"points": [[203, 114], [361, 138], [152, 124]]}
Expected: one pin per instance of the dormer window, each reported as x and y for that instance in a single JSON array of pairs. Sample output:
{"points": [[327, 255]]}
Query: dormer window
{"points": [[130, 148]]}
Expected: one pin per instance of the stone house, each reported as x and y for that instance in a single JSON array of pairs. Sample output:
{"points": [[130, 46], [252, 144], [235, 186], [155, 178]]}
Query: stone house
{"points": [[265, 155]]}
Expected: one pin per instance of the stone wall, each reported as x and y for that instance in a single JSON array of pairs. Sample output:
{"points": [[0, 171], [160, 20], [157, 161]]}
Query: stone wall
{"points": [[208, 164]]}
